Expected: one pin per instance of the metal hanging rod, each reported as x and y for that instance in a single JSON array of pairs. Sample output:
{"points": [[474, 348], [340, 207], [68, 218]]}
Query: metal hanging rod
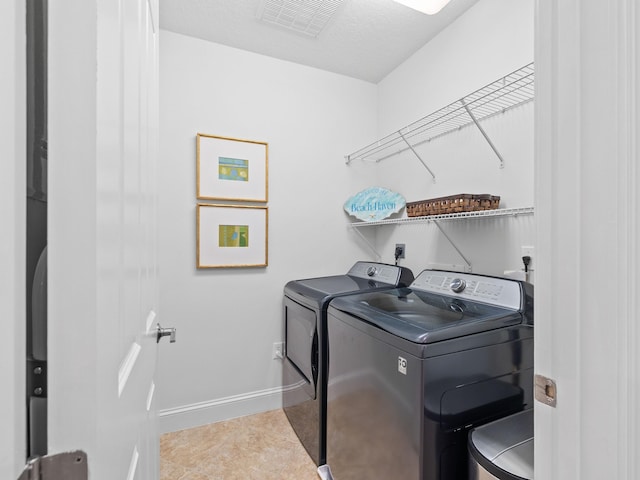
{"points": [[506, 93]]}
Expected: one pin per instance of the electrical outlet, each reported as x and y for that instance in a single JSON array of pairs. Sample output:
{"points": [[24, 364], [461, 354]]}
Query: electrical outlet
{"points": [[528, 251], [278, 351], [401, 247]]}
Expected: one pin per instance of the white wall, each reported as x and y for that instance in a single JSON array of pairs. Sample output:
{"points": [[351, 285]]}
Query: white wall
{"points": [[12, 240], [227, 320], [494, 38]]}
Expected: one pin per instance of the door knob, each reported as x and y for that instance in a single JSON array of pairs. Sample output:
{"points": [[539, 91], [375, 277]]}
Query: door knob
{"points": [[166, 332]]}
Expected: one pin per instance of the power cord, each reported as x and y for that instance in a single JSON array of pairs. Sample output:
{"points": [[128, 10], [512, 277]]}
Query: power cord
{"points": [[526, 260], [397, 254]]}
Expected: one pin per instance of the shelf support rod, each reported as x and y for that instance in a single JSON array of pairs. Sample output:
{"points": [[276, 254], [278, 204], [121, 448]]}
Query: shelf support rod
{"points": [[452, 244], [417, 155], [368, 243], [484, 134]]}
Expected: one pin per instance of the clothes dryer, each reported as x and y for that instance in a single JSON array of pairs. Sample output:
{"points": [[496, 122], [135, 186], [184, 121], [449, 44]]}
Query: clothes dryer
{"points": [[305, 360], [413, 369]]}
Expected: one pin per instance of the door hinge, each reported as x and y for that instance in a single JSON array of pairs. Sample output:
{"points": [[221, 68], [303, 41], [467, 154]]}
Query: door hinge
{"points": [[37, 378], [60, 466]]}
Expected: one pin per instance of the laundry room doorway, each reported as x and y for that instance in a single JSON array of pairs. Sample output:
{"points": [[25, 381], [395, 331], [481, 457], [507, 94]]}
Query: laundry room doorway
{"points": [[103, 318]]}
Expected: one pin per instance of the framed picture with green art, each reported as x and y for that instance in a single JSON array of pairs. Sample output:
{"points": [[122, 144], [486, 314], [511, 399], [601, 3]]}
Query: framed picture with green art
{"points": [[231, 236], [231, 169]]}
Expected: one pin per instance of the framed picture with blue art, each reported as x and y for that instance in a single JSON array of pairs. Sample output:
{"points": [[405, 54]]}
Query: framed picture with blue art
{"points": [[231, 236], [231, 169]]}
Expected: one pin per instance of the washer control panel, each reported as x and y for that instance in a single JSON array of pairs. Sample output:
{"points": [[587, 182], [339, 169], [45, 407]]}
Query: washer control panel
{"points": [[496, 291], [376, 271]]}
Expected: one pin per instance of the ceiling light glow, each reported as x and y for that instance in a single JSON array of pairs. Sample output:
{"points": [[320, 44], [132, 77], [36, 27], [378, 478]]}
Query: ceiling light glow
{"points": [[430, 7]]}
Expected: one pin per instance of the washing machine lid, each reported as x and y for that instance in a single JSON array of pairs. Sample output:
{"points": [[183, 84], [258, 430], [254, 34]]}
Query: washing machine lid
{"points": [[338, 284], [423, 317], [363, 276]]}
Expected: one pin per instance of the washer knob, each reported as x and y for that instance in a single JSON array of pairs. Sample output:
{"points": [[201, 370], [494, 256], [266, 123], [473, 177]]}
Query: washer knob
{"points": [[458, 285], [371, 271]]}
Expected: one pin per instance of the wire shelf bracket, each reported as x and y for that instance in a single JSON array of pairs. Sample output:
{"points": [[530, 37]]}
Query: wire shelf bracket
{"points": [[418, 155], [368, 244], [466, 260], [484, 134], [511, 91]]}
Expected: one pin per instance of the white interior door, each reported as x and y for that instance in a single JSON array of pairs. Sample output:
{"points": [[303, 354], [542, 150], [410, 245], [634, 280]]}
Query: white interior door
{"points": [[103, 94]]}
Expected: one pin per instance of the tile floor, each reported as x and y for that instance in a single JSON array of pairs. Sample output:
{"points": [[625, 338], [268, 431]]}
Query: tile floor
{"points": [[256, 447]]}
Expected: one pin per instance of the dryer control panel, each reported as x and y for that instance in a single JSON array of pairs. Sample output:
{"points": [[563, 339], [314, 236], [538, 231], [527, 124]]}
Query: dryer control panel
{"points": [[380, 272], [496, 291]]}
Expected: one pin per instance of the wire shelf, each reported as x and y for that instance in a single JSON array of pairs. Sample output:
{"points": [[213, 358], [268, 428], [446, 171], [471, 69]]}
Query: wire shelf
{"points": [[506, 93], [500, 212]]}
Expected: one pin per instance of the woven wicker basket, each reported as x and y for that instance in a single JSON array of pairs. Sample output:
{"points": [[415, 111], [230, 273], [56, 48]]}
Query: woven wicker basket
{"points": [[463, 202]]}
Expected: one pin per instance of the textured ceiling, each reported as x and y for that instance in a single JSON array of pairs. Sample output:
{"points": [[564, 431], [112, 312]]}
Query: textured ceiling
{"points": [[365, 39]]}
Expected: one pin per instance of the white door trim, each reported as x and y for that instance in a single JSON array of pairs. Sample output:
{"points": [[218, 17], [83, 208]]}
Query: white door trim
{"points": [[12, 240], [587, 238]]}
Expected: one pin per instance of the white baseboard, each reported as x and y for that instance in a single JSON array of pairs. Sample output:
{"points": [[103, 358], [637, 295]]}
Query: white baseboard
{"points": [[203, 413]]}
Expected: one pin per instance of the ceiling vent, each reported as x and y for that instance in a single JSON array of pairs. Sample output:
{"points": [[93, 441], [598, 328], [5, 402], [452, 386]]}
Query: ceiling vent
{"points": [[307, 17]]}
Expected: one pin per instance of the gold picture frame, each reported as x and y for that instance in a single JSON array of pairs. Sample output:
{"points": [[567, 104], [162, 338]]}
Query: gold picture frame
{"points": [[231, 236], [231, 169]]}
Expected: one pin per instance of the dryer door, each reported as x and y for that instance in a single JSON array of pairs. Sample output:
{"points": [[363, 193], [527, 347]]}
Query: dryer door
{"points": [[300, 397], [301, 343]]}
